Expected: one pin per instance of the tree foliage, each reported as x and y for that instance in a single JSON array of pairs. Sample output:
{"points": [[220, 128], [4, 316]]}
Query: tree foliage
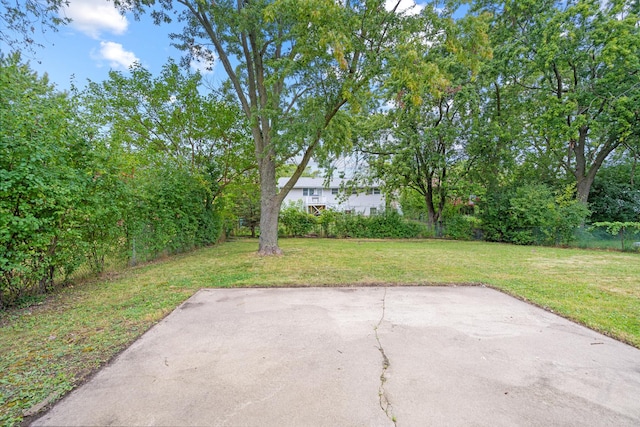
{"points": [[112, 181], [46, 166], [166, 115], [532, 214], [243, 202], [616, 194], [293, 67], [184, 149], [431, 85], [575, 65], [530, 105]]}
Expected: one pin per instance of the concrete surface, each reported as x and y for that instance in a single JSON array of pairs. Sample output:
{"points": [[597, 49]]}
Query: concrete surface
{"points": [[361, 357]]}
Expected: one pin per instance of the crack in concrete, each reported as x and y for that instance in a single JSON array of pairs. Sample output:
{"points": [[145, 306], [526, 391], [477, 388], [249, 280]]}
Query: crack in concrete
{"points": [[385, 403]]}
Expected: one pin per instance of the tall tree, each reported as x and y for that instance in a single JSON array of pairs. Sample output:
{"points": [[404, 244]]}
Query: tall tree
{"points": [[293, 66], [431, 85], [577, 64]]}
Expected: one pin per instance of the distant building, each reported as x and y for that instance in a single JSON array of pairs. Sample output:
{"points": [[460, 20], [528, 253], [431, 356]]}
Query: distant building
{"points": [[316, 197]]}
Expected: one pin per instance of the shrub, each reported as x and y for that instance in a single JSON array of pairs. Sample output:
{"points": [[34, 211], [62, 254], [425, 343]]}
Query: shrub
{"points": [[68, 198], [327, 220], [531, 214], [45, 168], [570, 214], [388, 224], [460, 227], [295, 221], [169, 212], [615, 194]]}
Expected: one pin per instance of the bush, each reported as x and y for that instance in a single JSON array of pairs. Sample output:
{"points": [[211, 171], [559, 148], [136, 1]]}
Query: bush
{"points": [[569, 216], [296, 222], [45, 168], [532, 214], [460, 227], [388, 224], [327, 220], [613, 196], [68, 199], [169, 212]]}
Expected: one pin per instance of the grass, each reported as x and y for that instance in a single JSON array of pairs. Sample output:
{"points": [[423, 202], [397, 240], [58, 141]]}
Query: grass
{"points": [[49, 348]]}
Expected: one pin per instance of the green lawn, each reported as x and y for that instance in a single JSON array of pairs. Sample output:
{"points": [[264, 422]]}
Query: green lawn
{"points": [[47, 349]]}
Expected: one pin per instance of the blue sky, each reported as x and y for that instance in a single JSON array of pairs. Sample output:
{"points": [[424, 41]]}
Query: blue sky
{"points": [[99, 39]]}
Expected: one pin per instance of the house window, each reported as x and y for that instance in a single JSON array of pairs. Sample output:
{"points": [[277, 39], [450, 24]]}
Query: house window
{"points": [[312, 191], [376, 191], [334, 191], [373, 211], [373, 191]]}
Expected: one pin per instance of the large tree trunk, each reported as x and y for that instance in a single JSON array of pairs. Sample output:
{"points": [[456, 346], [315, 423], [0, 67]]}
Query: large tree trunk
{"points": [[584, 188], [585, 173], [270, 198], [269, 205], [269, 227], [431, 211]]}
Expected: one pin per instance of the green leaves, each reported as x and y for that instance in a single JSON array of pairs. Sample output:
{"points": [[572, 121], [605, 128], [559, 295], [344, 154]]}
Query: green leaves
{"points": [[20, 20], [182, 149], [168, 116], [296, 222], [532, 214], [431, 96], [619, 228], [616, 194], [45, 168], [142, 180], [574, 66]]}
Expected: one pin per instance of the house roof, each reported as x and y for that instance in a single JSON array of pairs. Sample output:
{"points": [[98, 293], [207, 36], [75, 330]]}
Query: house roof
{"points": [[305, 182]]}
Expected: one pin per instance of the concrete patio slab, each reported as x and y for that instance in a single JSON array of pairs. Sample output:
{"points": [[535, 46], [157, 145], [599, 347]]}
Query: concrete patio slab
{"points": [[400, 356]]}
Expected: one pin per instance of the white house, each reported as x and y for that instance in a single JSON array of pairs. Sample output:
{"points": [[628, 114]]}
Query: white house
{"points": [[316, 197]]}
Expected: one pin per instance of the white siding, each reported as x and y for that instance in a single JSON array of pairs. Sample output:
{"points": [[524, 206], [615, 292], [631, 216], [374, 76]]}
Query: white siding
{"points": [[361, 202]]}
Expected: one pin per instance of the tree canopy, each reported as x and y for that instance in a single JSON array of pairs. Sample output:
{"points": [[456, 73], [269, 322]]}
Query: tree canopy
{"points": [[293, 67], [575, 68]]}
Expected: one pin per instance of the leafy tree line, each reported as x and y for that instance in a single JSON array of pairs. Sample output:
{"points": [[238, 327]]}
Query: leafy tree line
{"points": [[296, 69], [442, 101], [528, 107], [127, 170]]}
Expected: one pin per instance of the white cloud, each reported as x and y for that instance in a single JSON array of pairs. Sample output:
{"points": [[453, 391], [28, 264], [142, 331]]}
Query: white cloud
{"points": [[116, 55], [93, 17], [409, 7]]}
